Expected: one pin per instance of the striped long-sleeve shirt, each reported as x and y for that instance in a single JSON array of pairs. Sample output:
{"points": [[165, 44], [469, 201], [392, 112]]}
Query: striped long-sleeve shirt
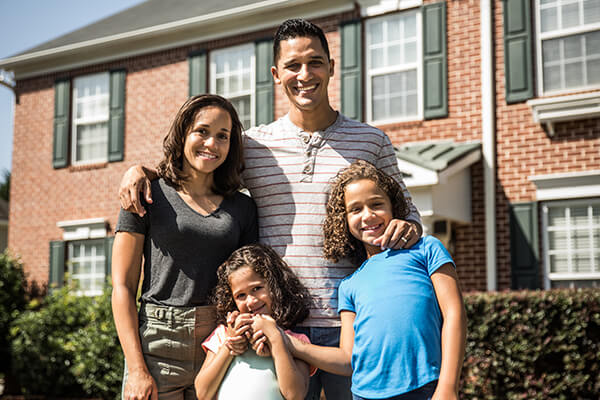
{"points": [[288, 172]]}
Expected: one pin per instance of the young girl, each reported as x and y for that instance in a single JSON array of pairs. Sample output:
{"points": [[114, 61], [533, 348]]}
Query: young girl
{"points": [[256, 292], [197, 219], [403, 320]]}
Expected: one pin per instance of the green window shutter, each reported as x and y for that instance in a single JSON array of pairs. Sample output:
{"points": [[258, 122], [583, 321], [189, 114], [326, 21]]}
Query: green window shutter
{"points": [[435, 69], [351, 70], [60, 148], [197, 73], [108, 245], [518, 73], [57, 263], [264, 113], [116, 122], [524, 255]]}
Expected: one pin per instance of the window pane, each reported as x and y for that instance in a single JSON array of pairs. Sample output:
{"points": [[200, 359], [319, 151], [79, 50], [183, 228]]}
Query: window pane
{"points": [[375, 33], [377, 58], [572, 46], [559, 263], [548, 20], [410, 52], [91, 142], [570, 15], [579, 215], [550, 51], [557, 240], [574, 74], [592, 43], [582, 263], [394, 55], [591, 11], [242, 106]]}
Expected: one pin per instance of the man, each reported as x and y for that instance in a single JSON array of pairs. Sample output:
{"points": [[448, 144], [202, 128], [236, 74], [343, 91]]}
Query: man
{"points": [[289, 164]]}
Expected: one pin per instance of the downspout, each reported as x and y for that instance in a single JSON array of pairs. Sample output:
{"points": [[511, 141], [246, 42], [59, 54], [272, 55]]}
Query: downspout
{"points": [[488, 139]]}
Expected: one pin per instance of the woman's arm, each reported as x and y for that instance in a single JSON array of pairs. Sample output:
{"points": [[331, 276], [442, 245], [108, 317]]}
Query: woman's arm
{"points": [[292, 374], [135, 181], [454, 331], [126, 266], [336, 360]]}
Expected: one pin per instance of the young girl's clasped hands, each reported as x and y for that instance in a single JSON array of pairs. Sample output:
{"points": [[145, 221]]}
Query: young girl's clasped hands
{"points": [[256, 294]]}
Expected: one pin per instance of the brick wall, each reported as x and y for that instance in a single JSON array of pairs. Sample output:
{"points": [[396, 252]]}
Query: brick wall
{"points": [[523, 149]]}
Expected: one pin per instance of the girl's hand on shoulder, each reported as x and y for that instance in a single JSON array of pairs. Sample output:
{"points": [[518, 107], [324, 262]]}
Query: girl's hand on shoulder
{"points": [[140, 386], [399, 234]]}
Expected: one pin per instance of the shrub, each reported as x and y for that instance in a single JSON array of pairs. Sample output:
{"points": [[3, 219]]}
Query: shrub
{"points": [[12, 302], [533, 345], [68, 347]]}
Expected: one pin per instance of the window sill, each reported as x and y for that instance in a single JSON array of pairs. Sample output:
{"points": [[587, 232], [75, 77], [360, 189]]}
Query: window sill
{"points": [[88, 167], [548, 111]]}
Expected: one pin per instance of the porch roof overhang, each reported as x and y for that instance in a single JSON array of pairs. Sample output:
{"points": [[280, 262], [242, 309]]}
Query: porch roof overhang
{"points": [[438, 177]]}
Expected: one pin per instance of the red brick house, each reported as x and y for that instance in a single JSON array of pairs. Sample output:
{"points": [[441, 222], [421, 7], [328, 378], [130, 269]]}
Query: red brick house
{"points": [[494, 107]]}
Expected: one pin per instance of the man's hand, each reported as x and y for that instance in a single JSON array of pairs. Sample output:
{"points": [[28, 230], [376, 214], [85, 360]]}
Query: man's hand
{"points": [[134, 183], [140, 386], [399, 234]]}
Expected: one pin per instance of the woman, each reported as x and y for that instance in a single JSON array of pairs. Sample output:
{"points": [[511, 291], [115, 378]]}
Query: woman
{"points": [[196, 220]]}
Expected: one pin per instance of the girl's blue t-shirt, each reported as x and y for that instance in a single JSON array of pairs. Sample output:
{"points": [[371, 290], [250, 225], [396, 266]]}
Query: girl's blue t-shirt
{"points": [[397, 328]]}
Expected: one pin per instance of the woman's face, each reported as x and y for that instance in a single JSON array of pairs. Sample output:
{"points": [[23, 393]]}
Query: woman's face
{"points": [[207, 143]]}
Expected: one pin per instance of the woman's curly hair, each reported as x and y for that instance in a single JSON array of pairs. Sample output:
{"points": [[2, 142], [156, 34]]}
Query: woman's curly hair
{"points": [[227, 177], [290, 299], [338, 242]]}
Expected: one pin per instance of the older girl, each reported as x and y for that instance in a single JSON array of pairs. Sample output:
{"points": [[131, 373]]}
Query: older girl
{"points": [[403, 320], [196, 220]]}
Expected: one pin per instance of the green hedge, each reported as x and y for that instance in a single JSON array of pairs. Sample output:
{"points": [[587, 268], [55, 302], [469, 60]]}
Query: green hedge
{"points": [[533, 345], [521, 345], [68, 348]]}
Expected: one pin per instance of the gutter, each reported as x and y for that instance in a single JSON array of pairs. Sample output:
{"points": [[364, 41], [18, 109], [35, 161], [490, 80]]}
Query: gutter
{"points": [[488, 141], [169, 27]]}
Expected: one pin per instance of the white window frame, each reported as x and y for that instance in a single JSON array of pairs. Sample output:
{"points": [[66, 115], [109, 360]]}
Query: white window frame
{"points": [[568, 276], [418, 64], [250, 92], [98, 265], [92, 230], [75, 122], [561, 33]]}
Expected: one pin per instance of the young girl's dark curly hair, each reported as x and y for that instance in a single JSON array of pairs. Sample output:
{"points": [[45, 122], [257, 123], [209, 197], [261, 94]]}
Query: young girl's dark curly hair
{"points": [[338, 242], [290, 299]]}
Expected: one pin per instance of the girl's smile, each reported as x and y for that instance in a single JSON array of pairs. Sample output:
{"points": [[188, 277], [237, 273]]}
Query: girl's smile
{"points": [[368, 212], [250, 291]]}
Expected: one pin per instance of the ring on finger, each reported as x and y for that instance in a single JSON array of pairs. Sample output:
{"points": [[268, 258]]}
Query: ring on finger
{"points": [[405, 240]]}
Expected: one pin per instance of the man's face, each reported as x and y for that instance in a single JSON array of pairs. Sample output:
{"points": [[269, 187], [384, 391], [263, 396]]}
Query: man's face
{"points": [[303, 70]]}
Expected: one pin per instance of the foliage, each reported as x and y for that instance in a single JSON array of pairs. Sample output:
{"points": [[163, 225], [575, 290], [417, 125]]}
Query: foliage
{"points": [[12, 301], [533, 345], [68, 347], [5, 186]]}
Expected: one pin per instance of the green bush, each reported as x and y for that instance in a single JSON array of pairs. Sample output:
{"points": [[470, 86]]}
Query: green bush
{"points": [[12, 302], [68, 347], [533, 345]]}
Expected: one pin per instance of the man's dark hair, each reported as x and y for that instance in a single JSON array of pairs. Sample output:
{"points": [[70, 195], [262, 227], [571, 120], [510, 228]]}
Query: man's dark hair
{"points": [[293, 28]]}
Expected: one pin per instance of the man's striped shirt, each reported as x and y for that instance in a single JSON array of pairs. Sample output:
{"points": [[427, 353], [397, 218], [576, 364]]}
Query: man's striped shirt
{"points": [[288, 172]]}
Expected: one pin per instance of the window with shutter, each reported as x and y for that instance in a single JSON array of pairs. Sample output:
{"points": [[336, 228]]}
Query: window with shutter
{"points": [[568, 44], [571, 242], [232, 75]]}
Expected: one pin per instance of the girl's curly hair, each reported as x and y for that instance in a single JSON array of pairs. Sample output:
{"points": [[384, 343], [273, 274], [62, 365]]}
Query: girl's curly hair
{"points": [[290, 299], [338, 243]]}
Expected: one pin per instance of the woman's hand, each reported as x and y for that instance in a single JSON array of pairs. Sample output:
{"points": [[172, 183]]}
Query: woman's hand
{"points": [[140, 386]]}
